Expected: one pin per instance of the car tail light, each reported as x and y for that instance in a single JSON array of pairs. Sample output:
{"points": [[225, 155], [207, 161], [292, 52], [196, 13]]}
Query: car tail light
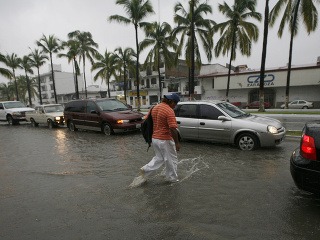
{"points": [[308, 148]]}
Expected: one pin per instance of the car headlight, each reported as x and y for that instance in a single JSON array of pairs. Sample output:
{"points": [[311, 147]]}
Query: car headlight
{"points": [[122, 121], [272, 129], [16, 113], [57, 119]]}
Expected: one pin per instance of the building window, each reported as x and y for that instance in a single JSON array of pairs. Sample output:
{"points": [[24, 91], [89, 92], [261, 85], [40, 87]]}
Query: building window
{"points": [[50, 79], [43, 80], [213, 83], [52, 95], [153, 81], [51, 86], [43, 88], [142, 82], [173, 87]]}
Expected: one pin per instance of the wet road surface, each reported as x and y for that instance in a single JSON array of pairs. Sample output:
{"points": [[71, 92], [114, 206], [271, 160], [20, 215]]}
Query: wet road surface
{"points": [[57, 184]]}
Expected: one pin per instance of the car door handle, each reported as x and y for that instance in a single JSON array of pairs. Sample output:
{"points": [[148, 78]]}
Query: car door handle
{"points": [[202, 123]]}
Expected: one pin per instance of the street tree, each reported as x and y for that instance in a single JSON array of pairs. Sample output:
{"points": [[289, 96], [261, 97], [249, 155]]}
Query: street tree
{"points": [[124, 59], [50, 45], [162, 43], [4, 71], [136, 11], [106, 65], [38, 59], [14, 62], [194, 28], [87, 49], [72, 48], [6, 90], [27, 67], [237, 33], [294, 12]]}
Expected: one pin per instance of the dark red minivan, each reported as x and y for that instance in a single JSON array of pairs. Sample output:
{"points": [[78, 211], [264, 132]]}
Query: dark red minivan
{"points": [[107, 115]]}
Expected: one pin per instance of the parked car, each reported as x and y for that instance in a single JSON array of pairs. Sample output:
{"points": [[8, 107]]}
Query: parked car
{"points": [[222, 122], [256, 104], [13, 112], [106, 115], [305, 160], [299, 104], [48, 114]]}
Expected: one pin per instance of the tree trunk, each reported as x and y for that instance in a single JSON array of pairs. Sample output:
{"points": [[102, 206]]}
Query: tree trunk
{"points": [[28, 88], [15, 84], [294, 21], [191, 89], [39, 86], [53, 81], [137, 67], [229, 71], [84, 76], [263, 58]]}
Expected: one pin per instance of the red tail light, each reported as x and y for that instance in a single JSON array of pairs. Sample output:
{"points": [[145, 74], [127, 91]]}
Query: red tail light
{"points": [[308, 148]]}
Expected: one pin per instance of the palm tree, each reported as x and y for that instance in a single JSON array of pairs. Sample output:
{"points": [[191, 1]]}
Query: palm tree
{"points": [[71, 55], [87, 49], [294, 11], [6, 90], [137, 10], [106, 66], [37, 59], [26, 64], [236, 32], [124, 59], [3, 71], [160, 38], [25, 84], [50, 45], [194, 28], [14, 63], [263, 57]]}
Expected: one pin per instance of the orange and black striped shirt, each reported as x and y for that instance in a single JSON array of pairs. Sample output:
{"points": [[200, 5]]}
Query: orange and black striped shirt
{"points": [[163, 119]]}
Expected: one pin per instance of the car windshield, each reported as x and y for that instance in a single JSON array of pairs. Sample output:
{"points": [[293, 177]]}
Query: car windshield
{"points": [[232, 110], [56, 108], [14, 105], [111, 105]]}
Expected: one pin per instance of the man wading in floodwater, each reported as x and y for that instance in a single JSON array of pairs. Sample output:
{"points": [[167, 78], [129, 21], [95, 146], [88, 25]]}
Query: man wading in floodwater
{"points": [[165, 140]]}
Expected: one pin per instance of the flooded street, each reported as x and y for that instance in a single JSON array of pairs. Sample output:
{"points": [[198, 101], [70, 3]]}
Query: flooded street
{"points": [[57, 184]]}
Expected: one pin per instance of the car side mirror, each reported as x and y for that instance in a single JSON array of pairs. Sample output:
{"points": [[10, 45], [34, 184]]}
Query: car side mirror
{"points": [[224, 118]]}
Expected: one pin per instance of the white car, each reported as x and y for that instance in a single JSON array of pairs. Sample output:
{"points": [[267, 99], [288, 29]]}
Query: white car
{"points": [[222, 122], [47, 114], [299, 104], [13, 112]]}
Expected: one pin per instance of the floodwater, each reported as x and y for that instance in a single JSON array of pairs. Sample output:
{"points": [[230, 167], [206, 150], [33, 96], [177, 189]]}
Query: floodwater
{"points": [[57, 184]]}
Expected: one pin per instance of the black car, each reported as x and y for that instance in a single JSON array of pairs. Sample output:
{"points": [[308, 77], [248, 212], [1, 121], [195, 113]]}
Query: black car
{"points": [[305, 160]]}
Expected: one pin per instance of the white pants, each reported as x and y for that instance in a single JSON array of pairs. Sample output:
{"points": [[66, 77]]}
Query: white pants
{"points": [[166, 153]]}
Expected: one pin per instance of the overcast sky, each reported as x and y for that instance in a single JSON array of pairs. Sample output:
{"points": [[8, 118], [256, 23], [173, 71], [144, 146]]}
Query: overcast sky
{"points": [[22, 22]]}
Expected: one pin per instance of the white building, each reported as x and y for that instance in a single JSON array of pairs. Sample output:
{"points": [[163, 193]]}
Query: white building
{"points": [[65, 86], [244, 85]]}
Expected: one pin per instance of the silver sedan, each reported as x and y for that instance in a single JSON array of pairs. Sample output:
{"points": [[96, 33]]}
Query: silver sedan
{"points": [[299, 104], [220, 121]]}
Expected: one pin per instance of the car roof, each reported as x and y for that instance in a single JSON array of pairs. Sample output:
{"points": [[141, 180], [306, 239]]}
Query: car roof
{"points": [[8, 101], [50, 104], [202, 101]]}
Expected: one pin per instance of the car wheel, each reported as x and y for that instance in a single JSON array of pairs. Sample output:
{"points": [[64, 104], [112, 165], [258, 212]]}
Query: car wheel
{"points": [[305, 107], [33, 122], [72, 126], [50, 124], [10, 120], [107, 129], [247, 142]]}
